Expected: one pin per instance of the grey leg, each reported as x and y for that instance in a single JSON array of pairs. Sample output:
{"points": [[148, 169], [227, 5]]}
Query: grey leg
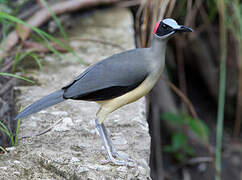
{"points": [[113, 149], [106, 142]]}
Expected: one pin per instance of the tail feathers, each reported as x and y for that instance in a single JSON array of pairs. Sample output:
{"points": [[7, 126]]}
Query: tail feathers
{"points": [[47, 101]]}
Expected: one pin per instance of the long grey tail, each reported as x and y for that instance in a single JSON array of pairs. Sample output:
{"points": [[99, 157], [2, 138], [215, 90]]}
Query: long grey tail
{"points": [[47, 101]]}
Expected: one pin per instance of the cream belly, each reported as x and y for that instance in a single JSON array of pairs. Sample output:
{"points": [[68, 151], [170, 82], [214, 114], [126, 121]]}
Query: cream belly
{"points": [[111, 105]]}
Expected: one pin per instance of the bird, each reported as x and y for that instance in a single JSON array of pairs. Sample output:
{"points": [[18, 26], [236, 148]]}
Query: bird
{"points": [[116, 81]]}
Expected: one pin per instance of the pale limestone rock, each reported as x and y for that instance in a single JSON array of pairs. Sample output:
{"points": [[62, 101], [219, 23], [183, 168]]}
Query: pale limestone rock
{"points": [[72, 150]]}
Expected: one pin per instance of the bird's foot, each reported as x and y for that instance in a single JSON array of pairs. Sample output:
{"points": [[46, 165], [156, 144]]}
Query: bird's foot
{"points": [[119, 162], [117, 158], [116, 154]]}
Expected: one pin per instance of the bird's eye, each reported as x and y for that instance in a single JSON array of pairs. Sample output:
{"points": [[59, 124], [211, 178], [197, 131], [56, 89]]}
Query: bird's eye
{"points": [[164, 26]]}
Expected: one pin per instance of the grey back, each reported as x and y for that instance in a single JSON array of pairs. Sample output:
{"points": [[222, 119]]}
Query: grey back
{"points": [[110, 77]]}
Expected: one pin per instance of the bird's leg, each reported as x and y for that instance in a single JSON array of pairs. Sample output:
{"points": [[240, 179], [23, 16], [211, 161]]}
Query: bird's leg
{"points": [[113, 149], [106, 144]]}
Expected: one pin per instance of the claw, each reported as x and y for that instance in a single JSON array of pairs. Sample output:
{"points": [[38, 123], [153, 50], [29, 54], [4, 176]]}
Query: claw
{"points": [[118, 163], [122, 157]]}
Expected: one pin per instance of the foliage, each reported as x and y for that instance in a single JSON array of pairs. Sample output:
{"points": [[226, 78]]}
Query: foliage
{"points": [[21, 56], [8, 21], [3, 149], [230, 19], [15, 76], [179, 145], [12, 137], [55, 19], [222, 82], [45, 36], [182, 119]]}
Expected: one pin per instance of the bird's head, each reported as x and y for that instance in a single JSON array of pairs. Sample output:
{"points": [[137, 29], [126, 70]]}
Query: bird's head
{"points": [[165, 28]]}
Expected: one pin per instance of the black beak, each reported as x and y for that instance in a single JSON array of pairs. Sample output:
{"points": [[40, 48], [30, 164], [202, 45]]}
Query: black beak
{"points": [[184, 29]]}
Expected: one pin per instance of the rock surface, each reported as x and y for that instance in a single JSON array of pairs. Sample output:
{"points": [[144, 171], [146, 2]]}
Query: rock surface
{"points": [[72, 149]]}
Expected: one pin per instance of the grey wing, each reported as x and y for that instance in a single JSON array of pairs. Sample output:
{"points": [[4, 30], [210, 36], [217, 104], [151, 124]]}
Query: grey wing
{"points": [[109, 78]]}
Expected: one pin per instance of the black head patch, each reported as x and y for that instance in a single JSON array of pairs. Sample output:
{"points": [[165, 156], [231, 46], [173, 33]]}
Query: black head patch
{"points": [[163, 29]]}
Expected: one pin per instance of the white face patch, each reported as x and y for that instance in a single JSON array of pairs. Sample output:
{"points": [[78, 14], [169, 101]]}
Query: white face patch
{"points": [[171, 22]]}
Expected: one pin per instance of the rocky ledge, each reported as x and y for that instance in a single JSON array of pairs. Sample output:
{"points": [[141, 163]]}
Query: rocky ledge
{"points": [[72, 149]]}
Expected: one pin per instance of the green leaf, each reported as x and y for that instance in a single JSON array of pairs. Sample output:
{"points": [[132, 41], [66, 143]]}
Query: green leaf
{"points": [[17, 130], [189, 150], [15, 76], [178, 141], [198, 127], [37, 60], [55, 19], [2, 148], [180, 157], [173, 118], [18, 58], [4, 129], [168, 148], [16, 133]]}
